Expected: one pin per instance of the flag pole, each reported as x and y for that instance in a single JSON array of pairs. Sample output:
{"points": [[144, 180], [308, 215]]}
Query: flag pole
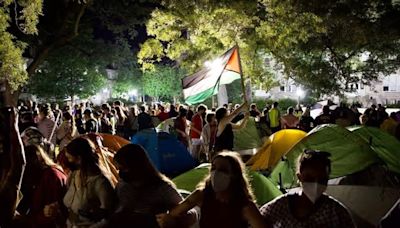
{"points": [[241, 75]]}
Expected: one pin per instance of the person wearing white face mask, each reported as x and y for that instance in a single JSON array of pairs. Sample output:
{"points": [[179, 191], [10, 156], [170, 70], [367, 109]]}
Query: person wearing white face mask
{"points": [[310, 207], [224, 197]]}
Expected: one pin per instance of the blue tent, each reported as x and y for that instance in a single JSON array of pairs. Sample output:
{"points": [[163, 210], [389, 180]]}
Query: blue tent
{"points": [[168, 155], [175, 158]]}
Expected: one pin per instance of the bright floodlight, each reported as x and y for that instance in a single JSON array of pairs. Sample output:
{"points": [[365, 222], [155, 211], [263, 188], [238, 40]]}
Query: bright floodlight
{"points": [[300, 92], [132, 93]]}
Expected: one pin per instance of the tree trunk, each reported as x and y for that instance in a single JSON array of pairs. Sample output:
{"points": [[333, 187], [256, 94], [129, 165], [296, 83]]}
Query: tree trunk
{"points": [[10, 98]]}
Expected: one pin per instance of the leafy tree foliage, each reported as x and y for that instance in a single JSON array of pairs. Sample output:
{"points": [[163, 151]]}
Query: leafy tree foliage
{"points": [[70, 72], [11, 62], [163, 82], [319, 44], [191, 33]]}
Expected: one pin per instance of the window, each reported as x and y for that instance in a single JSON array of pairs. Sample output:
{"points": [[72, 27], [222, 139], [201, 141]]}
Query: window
{"points": [[386, 88], [282, 88]]}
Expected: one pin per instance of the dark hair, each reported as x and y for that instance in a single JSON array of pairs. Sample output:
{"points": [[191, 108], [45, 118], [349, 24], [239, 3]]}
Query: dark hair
{"points": [[182, 112], [209, 117], [90, 161], [142, 108], [135, 158], [275, 104], [240, 186], [201, 107], [311, 157], [290, 110], [253, 106], [220, 113]]}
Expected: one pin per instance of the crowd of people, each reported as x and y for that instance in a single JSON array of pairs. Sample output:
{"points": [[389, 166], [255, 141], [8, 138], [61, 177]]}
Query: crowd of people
{"points": [[85, 189]]}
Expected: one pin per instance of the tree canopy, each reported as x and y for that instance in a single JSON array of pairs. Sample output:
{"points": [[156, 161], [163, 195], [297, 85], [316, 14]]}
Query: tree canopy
{"points": [[66, 73], [163, 81], [322, 45]]}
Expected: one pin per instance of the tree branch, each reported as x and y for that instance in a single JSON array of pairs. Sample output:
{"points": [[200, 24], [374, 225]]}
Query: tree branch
{"points": [[61, 40]]}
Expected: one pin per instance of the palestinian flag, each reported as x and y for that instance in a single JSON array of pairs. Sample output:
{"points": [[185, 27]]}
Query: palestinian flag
{"points": [[205, 83]]}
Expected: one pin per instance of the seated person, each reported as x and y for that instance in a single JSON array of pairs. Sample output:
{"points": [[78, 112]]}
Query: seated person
{"points": [[309, 207]]}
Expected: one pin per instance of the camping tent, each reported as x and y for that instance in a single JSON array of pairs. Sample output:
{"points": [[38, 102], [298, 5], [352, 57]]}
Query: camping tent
{"points": [[167, 154], [274, 148], [264, 190], [350, 153], [113, 142], [383, 144], [366, 187], [247, 138]]}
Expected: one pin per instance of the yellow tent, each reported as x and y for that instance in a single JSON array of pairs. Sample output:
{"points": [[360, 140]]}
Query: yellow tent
{"points": [[274, 148]]}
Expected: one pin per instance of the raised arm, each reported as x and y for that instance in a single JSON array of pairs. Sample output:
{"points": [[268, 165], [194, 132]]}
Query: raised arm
{"points": [[243, 123], [231, 116]]}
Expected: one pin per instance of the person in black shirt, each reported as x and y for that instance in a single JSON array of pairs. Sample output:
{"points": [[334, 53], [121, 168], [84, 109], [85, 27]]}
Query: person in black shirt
{"points": [[144, 119]]}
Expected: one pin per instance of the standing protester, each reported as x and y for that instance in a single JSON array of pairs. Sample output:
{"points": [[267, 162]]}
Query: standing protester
{"points": [[181, 127], [121, 121], [289, 121], [162, 115], [144, 119], [208, 135], [67, 131], [196, 128], [172, 111], [254, 111], [274, 118], [224, 138], [90, 197], [132, 123], [306, 121], [46, 125], [43, 189], [309, 207], [107, 120], [224, 197], [90, 122], [326, 117]]}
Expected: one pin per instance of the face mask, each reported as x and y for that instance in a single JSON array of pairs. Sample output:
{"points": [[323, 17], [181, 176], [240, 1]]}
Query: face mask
{"points": [[72, 166], [313, 190], [219, 181], [125, 176]]}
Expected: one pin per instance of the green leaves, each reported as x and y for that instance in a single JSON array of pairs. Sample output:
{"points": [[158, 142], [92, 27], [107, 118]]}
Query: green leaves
{"points": [[12, 64], [164, 82]]}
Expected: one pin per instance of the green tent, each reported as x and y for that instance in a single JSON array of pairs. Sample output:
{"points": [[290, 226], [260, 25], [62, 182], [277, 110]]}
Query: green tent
{"points": [[350, 153], [248, 137], [383, 144], [264, 190]]}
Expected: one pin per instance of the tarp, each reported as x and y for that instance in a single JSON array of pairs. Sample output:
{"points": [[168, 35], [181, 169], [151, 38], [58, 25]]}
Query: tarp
{"points": [[247, 137], [274, 148], [167, 154], [264, 190], [350, 153], [383, 144]]}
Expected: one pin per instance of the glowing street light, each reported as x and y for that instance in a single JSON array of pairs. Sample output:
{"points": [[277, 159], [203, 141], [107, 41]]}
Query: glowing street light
{"points": [[300, 92]]}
